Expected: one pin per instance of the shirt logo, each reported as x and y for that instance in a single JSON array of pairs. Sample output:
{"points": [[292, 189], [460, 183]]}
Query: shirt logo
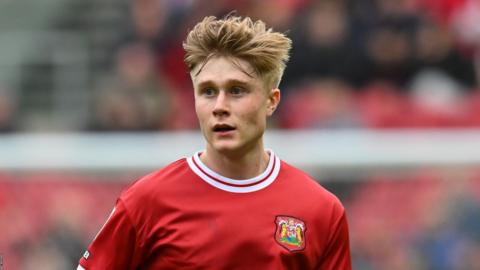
{"points": [[86, 255], [290, 233]]}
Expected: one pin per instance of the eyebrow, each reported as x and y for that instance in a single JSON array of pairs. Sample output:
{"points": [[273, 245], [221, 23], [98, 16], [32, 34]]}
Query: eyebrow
{"points": [[230, 82]]}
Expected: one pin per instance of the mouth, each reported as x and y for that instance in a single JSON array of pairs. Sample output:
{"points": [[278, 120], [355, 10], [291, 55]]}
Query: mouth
{"points": [[223, 128]]}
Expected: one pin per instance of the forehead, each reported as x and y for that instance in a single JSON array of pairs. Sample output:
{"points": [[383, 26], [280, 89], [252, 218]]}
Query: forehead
{"points": [[223, 69]]}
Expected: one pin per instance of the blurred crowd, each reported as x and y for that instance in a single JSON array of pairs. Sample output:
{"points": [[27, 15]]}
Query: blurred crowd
{"points": [[419, 220], [354, 63], [48, 219], [368, 63]]}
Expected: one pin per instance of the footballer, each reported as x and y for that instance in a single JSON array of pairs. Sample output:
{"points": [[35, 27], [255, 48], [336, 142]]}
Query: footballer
{"points": [[235, 204]]}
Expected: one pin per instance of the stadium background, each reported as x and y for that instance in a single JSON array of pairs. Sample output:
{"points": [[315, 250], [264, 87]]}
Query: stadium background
{"points": [[380, 104]]}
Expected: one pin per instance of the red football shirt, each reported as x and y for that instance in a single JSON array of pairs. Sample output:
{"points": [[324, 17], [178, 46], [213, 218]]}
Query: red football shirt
{"points": [[186, 216]]}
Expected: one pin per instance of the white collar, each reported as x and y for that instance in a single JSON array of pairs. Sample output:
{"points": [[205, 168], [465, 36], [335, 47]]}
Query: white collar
{"points": [[232, 185]]}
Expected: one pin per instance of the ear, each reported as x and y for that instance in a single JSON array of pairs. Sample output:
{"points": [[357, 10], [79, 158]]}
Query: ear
{"points": [[273, 100]]}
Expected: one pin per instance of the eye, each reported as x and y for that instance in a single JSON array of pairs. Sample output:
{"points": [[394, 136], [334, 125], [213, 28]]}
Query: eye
{"points": [[209, 91], [237, 90]]}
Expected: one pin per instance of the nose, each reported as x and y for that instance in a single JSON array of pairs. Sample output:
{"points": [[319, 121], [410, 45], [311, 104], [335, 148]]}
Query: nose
{"points": [[221, 105]]}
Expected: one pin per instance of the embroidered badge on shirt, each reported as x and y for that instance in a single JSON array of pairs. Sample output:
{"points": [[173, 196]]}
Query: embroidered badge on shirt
{"points": [[290, 233]]}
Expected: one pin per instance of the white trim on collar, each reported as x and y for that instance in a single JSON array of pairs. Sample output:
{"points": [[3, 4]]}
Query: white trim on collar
{"points": [[232, 185]]}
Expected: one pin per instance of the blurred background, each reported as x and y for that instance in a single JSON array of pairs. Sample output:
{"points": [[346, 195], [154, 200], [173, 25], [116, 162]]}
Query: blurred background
{"points": [[381, 104]]}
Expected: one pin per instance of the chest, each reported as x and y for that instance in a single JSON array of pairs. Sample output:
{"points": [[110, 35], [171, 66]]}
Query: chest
{"points": [[235, 233]]}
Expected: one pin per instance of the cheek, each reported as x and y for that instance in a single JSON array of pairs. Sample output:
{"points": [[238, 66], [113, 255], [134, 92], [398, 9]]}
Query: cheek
{"points": [[201, 112], [200, 106], [257, 116]]}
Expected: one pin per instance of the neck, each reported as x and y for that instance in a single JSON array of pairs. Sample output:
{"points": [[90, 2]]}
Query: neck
{"points": [[237, 166]]}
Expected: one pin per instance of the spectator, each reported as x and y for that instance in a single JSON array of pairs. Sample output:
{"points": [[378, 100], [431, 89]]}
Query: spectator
{"points": [[7, 110], [134, 97], [323, 46]]}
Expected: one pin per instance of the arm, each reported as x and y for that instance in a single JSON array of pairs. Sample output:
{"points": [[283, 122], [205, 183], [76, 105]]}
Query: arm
{"points": [[116, 244], [337, 253]]}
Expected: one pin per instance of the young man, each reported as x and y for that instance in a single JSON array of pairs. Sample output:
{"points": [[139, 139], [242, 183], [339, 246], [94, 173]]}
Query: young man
{"points": [[196, 213]]}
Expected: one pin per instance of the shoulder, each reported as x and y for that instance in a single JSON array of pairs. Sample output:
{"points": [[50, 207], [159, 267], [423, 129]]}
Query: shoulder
{"points": [[143, 201], [154, 183], [307, 186], [320, 207]]}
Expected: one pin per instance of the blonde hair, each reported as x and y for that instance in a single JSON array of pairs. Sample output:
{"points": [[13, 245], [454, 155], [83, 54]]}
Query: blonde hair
{"points": [[266, 51]]}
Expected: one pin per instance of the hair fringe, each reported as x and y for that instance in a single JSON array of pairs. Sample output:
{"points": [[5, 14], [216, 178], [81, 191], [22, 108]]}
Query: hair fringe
{"points": [[267, 51]]}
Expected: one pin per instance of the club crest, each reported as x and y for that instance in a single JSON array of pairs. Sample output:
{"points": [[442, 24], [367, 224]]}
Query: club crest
{"points": [[290, 233]]}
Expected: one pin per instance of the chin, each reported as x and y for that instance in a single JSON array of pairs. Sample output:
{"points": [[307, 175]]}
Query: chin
{"points": [[226, 147], [223, 148]]}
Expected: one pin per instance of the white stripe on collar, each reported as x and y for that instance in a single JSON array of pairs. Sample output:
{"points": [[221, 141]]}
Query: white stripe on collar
{"points": [[232, 185]]}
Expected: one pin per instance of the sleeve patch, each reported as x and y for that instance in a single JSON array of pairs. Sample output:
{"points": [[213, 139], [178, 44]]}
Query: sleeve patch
{"points": [[86, 255]]}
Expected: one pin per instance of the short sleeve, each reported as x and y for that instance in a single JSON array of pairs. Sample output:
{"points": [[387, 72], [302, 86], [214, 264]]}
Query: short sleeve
{"points": [[337, 254], [116, 244]]}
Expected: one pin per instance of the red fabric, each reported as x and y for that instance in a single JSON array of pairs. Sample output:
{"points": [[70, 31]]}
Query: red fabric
{"points": [[172, 219]]}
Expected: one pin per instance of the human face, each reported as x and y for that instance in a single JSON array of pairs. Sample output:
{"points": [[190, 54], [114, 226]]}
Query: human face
{"points": [[232, 106]]}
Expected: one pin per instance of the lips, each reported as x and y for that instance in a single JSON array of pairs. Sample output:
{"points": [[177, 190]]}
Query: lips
{"points": [[223, 128]]}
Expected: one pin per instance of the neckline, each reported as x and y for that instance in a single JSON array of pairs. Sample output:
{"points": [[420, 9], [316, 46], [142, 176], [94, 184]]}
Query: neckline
{"points": [[253, 184]]}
